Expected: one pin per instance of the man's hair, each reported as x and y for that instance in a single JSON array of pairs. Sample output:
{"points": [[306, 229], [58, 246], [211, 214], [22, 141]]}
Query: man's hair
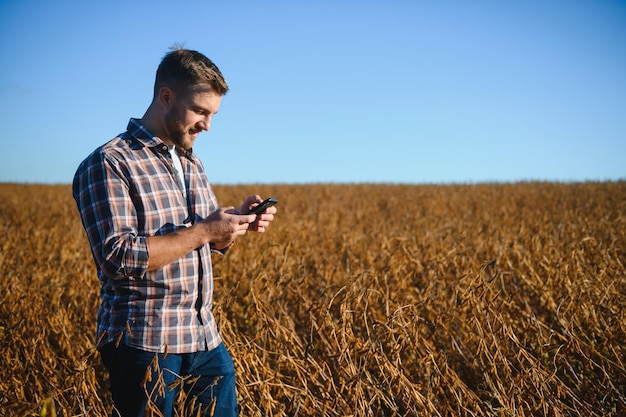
{"points": [[181, 69]]}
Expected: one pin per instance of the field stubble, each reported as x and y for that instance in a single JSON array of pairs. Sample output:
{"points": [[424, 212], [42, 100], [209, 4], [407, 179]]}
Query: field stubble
{"points": [[361, 300]]}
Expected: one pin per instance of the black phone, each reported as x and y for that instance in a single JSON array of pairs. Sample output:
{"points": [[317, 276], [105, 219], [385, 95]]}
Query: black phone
{"points": [[268, 202]]}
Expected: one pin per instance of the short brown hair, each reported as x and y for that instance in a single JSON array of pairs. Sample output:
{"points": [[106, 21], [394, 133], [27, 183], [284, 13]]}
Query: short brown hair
{"points": [[184, 68]]}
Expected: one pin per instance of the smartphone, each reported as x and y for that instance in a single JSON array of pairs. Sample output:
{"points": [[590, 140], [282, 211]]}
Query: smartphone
{"points": [[269, 202]]}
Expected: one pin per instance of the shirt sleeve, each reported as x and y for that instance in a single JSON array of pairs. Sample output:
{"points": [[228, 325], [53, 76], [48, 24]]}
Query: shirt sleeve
{"points": [[102, 193]]}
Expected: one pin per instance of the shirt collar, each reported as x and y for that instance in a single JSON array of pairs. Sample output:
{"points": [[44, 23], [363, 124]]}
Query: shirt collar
{"points": [[138, 131]]}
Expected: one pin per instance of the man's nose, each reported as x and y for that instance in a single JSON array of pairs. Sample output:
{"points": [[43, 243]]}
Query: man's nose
{"points": [[206, 123]]}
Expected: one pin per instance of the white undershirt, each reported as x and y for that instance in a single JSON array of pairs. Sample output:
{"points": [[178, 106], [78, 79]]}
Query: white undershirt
{"points": [[178, 168]]}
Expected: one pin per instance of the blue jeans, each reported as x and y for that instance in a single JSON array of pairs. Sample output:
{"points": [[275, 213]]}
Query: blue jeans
{"points": [[142, 382]]}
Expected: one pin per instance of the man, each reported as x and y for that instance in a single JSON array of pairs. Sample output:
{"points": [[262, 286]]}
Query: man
{"points": [[152, 221]]}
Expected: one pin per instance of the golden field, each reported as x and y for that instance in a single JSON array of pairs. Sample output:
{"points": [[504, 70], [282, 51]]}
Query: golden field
{"points": [[360, 300]]}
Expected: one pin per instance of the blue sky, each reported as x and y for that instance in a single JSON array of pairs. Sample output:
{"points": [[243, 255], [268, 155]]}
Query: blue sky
{"points": [[329, 91]]}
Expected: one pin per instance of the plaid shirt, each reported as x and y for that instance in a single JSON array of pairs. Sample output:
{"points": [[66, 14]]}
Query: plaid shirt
{"points": [[126, 190]]}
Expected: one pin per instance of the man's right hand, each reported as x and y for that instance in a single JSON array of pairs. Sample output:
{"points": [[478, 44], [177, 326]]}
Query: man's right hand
{"points": [[225, 225], [221, 228]]}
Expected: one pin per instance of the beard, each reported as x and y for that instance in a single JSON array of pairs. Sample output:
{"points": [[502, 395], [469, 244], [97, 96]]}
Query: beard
{"points": [[177, 132]]}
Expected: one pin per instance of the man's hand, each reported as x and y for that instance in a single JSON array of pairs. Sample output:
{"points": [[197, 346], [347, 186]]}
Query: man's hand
{"points": [[220, 228], [262, 220], [225, 225]]}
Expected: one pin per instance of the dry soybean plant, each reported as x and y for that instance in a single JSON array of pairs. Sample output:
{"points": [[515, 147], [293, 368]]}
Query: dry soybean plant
{"points": [[361, 300]]}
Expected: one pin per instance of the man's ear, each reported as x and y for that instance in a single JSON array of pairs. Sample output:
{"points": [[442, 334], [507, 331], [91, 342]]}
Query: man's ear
{"points": [[166, 97]]}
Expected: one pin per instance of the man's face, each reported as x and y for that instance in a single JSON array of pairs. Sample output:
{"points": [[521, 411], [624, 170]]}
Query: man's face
{"points": [[189, 115]]}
